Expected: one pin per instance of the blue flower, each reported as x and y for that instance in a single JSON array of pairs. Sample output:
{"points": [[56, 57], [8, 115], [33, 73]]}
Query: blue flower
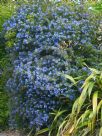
{"points": [[36, 84], [25, 41]]}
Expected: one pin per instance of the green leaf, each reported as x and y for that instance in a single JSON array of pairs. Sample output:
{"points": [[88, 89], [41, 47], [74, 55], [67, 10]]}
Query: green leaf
{"points": [[53, 125], [100, 132], [75, 107], [59, 113], [70, 78], [88, 79], [94, 70], [30, 132], [87, 130], [61, 126], [94, 102], [90, 88], [85, 115], [83, 96], [99, 106], [42, 131], [101, 116]]}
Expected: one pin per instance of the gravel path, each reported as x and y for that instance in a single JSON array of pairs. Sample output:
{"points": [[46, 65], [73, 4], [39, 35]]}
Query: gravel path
{"points": [[10, 133], [1, 134]]}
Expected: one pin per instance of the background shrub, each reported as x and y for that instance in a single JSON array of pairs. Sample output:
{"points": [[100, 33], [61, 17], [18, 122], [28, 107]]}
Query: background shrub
{"points": [[47, 42], [5, 12]]}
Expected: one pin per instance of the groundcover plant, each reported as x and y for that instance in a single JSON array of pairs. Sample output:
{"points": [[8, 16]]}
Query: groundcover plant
{"points": [[46, 42]]}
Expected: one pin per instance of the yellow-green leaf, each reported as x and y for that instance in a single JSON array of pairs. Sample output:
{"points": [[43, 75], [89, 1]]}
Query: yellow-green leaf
{"points": [[84, 116], [82, 97], [70, 78], [100, 132], [94, 102], [42, 131], [90, 88], [99, 106], [60, 127]]}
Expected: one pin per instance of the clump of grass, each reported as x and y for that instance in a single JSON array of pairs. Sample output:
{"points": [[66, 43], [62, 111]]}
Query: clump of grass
{"points": [[86, 115]]}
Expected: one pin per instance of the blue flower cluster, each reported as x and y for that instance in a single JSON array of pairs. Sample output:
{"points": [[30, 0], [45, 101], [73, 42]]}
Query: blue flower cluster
{"points": [[37, 28], [41, 39], [38, 84]]}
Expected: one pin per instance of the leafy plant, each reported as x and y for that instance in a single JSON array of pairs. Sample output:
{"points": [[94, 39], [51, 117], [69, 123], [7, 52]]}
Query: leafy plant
{"points": [[86, 116], [45, 41]]}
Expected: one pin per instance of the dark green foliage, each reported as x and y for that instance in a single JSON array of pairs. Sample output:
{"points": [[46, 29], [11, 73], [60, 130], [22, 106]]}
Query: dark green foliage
{"points": [[4, 74], [6, 11]]}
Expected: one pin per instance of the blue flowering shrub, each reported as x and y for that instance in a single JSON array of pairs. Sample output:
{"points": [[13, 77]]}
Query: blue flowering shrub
{"points": [[47, 43]]}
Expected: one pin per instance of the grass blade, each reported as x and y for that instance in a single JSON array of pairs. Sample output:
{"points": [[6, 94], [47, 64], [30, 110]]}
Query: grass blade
{"points": [[94, 102], [90, 88], [42, 131], [70, 78]]}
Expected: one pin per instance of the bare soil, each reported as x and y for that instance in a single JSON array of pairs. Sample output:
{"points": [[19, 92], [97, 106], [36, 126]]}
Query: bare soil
{"points": [[10, 133]]}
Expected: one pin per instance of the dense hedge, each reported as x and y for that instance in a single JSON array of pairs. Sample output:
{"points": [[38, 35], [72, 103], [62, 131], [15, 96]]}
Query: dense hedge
{"points": [[46, 43]]}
